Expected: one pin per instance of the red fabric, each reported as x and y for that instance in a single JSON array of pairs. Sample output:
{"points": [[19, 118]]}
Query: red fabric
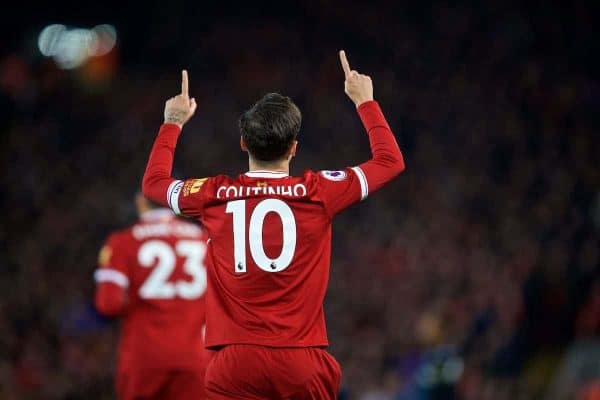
{"points": [[111, 299], [387, 161], [138, 384], [257, 372], [282, 308], [158, 171], [159, 329]]}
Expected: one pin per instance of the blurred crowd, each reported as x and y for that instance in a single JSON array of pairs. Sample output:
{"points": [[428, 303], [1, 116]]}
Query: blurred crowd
{"points": [[474, 275]]}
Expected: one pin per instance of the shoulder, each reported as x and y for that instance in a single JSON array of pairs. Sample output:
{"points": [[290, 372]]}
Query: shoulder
{"points": [[120, 236], [327, 175], [194, 186], [320, 182], [334, 175], [123, 240], [116, 243]]}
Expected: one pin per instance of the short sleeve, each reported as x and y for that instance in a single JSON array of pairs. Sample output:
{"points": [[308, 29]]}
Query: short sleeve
{"points": [[113, 262], [340, 189]]}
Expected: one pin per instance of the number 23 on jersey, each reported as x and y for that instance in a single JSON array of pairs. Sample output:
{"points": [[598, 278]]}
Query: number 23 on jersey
{"points": [[162, 257]]}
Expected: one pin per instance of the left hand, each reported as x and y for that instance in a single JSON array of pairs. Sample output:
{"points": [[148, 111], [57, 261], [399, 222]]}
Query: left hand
{"points": [[179, 109]]}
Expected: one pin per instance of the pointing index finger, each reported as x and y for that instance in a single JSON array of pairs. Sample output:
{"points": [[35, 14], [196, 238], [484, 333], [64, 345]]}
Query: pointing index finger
{"points": [[184, 83], [345, 64]]}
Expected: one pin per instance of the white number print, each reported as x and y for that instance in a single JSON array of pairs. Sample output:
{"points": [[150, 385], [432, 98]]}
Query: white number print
{"points": [[161, 256], [255, 234]]}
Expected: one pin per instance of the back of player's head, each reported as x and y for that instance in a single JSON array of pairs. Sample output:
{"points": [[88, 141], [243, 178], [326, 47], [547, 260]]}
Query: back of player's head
{"points": [[143, 204], [270, 127]]}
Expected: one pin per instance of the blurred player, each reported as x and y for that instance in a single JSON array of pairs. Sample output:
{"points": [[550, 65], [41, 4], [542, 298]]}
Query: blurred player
{"points": [[152, 276], [270, 243]]}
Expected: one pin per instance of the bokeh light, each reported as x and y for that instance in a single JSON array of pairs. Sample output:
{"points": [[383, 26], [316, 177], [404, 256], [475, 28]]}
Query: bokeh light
{"points": [[72, 47]]}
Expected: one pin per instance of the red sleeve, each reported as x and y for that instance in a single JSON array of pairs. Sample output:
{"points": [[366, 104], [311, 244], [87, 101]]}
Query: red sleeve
{"points": [[340, 189], [157, 178], [183, 197], [112, 278], [189, 199]]}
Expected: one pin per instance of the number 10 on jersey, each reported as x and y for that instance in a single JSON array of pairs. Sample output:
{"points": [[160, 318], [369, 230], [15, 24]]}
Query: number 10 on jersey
{"points": [[255, 234]]}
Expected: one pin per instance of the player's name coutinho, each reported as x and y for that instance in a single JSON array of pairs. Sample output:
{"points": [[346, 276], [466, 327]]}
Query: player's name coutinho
{"points": [[228, 192], [164, 229]]}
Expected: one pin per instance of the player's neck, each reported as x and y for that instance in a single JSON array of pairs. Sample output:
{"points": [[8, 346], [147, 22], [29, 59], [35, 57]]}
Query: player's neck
{"points": [[275, 166], [156, 215]]}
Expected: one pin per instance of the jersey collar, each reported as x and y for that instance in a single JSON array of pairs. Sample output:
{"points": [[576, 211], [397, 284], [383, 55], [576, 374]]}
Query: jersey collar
{"points": [[266, 174], [157, 214]]}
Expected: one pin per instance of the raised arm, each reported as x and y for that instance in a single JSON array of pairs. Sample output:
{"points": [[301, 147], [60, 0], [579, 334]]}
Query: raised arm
{"points": [[340, 189], [387, 160], [157, 181]]}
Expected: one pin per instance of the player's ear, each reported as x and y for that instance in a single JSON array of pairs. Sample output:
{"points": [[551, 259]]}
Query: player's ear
{"points": [[243, 144], [141, 204], [293, 149]]}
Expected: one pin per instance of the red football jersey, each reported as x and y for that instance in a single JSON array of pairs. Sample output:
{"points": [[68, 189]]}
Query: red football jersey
{"points": [[152, 275], [269, 251], [270, 237]]}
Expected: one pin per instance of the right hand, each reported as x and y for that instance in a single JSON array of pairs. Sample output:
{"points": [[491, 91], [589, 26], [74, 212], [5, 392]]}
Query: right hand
{"points": [[179, 109], [357, 86]]}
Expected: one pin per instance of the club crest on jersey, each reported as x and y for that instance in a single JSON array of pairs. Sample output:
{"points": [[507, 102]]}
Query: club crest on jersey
{"points": [[193, 186], [334, 175]]}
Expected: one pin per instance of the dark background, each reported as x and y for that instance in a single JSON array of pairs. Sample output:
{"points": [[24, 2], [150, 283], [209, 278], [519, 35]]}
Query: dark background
{"points": [[474, 275]]}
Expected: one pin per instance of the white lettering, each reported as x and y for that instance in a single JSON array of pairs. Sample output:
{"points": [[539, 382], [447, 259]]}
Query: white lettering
{"points": [[228, 192], [157, 230], [297, 189], [233, 189]]}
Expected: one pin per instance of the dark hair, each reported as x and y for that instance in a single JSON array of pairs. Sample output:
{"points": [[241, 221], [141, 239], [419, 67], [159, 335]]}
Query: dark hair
{"points": [[270, 127]]}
